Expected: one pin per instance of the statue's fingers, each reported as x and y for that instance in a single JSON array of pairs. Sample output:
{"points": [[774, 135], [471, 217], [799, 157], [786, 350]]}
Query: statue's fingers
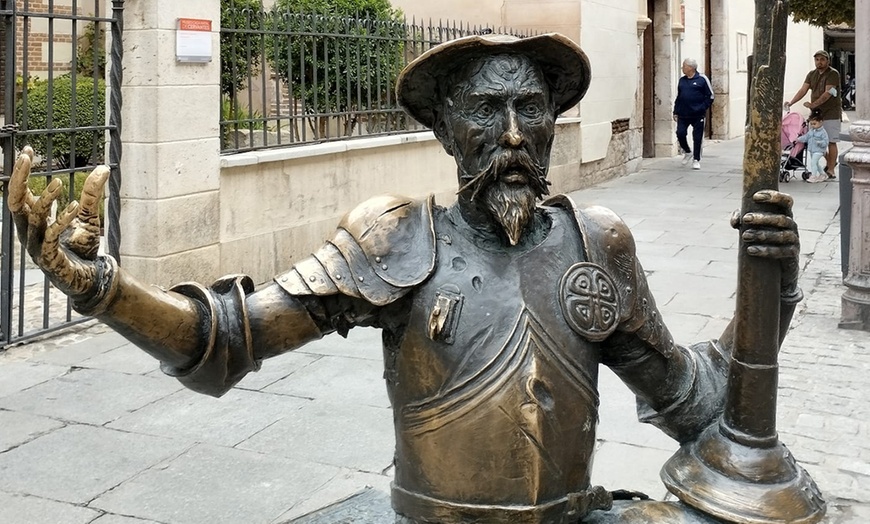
{"points": [[53, 258], [770, 196], [781, 237], [19, 192], [92, 194], [42, 206], [735, 219], [773, 251], [773, 220], [38, 218]]}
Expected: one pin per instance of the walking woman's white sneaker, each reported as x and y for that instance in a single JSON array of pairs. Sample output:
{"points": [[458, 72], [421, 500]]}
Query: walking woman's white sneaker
{"points": [[686, 158], [696, 164]]}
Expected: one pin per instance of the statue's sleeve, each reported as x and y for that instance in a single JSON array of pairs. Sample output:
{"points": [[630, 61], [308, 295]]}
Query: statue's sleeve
{"points": [[679, 389], [379, 252]]}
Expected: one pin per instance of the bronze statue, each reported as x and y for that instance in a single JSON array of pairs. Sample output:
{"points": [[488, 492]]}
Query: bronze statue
{"points": [[495, 311]]}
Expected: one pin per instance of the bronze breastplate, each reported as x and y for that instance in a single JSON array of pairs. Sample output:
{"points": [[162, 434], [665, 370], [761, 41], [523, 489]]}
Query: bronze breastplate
{"points": [[497, 400]]}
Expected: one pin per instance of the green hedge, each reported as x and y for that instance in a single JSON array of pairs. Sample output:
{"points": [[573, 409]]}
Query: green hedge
{"points": [[90, 110]]}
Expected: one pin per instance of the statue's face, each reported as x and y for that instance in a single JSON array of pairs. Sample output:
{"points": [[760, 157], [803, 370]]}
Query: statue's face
{"points": [[502, 104], [498, 123]]}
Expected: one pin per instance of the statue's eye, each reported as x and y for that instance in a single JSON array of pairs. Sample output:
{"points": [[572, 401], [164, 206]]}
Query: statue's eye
{"points": [[485, 109], [531, 109]]}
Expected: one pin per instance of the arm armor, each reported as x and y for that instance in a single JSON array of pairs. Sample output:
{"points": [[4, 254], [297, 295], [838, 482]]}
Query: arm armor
{"points": [[380, 251], [228, 353], [680, 390], [608, 243]]}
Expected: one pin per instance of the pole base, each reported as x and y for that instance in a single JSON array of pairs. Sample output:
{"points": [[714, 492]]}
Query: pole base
{"points": [[738, 483], [855, 309]]}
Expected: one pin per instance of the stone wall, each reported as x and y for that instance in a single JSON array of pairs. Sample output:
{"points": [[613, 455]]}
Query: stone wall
{"points": [[278, 206]]}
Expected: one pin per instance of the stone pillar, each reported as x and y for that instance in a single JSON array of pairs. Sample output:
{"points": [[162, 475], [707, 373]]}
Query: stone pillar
{"points": [[856, 299], [170, 213]]}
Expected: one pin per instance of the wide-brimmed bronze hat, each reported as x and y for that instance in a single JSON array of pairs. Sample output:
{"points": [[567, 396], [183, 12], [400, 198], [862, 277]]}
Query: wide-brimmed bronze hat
{"points": [[564, 65]]}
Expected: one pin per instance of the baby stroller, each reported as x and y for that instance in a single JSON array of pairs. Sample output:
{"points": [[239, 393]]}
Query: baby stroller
{"points": [[792, 158]]}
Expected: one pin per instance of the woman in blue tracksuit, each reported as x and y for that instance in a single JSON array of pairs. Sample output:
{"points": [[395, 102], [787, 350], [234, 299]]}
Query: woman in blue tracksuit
{"points": [[694, 97]]}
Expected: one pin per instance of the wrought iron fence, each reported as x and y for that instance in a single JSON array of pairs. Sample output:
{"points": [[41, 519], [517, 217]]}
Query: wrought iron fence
{"points": [[54, 85], [293, 78]]}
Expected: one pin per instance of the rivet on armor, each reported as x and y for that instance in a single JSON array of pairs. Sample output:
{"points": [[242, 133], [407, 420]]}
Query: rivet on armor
{"points": [[283, 279], [360, 279], [378, 260], [338, 277], [312, 278], [384, 267]]}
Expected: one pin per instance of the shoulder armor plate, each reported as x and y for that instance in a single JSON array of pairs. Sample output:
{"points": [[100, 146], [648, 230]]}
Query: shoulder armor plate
{"points": [[381, 249], [607, 242]]}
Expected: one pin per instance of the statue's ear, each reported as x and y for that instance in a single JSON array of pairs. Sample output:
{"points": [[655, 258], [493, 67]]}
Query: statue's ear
{"points": [[442, 131]]}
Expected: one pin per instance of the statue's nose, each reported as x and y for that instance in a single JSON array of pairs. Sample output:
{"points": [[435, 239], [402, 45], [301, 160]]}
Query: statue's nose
{"points": [[512, 137]]}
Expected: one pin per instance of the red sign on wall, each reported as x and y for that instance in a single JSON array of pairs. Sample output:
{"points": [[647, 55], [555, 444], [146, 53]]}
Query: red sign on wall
{"points": [[193, 40]]}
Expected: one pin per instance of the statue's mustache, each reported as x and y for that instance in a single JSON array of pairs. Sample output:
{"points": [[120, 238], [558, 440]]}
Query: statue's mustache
{"points": [[506, 162]]}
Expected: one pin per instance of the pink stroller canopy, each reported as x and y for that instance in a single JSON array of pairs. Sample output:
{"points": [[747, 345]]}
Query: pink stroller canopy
{"points": [[791, 128]]}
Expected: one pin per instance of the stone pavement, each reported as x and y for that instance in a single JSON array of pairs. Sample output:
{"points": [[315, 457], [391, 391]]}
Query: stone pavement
{"points": [[92, 432]]}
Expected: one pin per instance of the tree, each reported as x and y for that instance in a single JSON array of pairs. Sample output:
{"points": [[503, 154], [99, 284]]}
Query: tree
{"points": [[241, 23], [338, 57], [823, 12]]}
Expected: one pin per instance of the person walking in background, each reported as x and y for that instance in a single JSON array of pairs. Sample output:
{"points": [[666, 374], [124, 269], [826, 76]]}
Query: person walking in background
{"points": [[823, 82], [816, 140], [694, 97]]}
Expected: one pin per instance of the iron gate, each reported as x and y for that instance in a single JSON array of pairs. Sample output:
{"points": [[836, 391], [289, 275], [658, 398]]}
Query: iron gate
{"points": [[60, 62]]}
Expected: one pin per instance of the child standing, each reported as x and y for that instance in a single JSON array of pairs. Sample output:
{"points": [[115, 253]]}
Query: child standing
{"points": [[816, 140]]}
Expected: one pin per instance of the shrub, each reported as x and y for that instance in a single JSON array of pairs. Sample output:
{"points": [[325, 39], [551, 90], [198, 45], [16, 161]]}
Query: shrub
{"points": [[363, 41], [240, 51], [70, 148], [91, 51]]}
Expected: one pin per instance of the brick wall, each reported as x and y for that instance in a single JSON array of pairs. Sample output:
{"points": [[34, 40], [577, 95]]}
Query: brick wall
{"points": [[39, 45]]}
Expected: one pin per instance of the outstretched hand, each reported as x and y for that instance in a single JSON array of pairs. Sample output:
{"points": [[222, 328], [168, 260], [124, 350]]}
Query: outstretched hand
{"points": [[65, 250], [772, 235]]}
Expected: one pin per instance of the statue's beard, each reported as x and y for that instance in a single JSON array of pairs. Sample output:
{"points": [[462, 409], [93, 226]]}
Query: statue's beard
{"points": [[509, 188]]}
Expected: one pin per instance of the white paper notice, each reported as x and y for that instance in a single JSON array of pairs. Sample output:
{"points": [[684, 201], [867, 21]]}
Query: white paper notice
{"points": [[193, 40]]}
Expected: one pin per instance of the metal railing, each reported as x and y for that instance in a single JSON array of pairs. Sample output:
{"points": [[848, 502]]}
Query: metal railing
{"points": [[55, 92], [290, 78]]}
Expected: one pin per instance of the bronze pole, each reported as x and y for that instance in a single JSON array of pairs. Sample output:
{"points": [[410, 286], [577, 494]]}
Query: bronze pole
{"points": [[750, 407], [738, 470]]}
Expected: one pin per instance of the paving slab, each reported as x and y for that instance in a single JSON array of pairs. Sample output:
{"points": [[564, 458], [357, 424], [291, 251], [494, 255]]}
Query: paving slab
{"points": [[337, 379], [618, 417], [341, 488], [363, 342], [18, 428], [340, 434], [74, 354], [90, 396], [217, 485], [109, 518], [226, 421], [26, 509], [77, 463], [366, 507], [277, 368], [608, 468], [18, 376], [126, 358]]}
